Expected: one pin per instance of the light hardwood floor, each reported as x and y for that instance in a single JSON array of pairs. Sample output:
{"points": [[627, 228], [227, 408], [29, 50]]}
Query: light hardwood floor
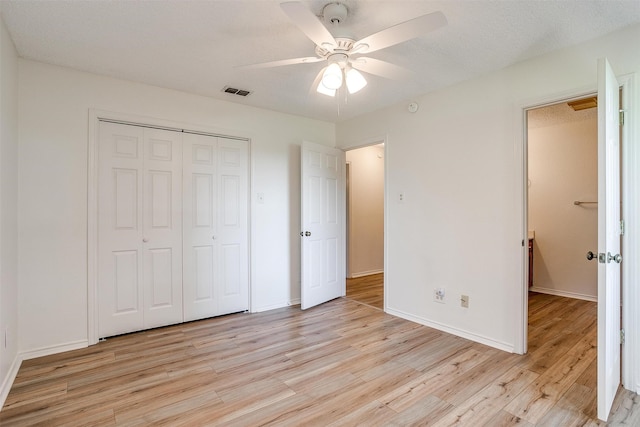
{"points": [[367, 290], [341, 364]]}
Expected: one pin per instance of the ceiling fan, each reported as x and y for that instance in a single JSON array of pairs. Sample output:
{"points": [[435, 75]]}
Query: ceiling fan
{"points": [[343, 53]]}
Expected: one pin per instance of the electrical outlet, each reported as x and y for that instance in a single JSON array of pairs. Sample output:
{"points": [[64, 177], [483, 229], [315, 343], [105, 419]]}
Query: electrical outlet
{"points": [[464, 301], [438, 295]]}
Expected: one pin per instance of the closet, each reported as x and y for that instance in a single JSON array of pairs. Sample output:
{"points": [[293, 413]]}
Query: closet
{"points": [[172, 227]]}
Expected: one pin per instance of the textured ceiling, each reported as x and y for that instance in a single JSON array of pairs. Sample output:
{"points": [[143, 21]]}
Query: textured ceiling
{"points": [[556, 114], [193, 46]]}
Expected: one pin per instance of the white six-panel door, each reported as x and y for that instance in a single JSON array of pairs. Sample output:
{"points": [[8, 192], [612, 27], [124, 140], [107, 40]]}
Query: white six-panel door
{"points": [[608, 238], [200, 186], [216, 253], [162, 227], [172, 227], [233, 215], [323, 224], [120, 291]]}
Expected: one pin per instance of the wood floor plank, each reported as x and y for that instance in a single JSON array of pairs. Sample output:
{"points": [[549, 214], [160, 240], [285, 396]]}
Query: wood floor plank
{"points": [[401, 398], [94, 418], [280, 413], [625, 410], [367, 290], [462, 388], [343, 363], [533, 403], [157, 396], [505, 419], [483, 406], [423, 412], [570, 410], [371, 414], [34, 392]]}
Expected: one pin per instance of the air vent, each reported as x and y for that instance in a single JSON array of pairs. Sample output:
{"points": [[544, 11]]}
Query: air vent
{"points": [[234, 91]]}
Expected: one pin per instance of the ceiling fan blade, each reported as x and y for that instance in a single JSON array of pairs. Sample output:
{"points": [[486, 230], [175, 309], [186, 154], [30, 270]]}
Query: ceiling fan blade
{"points": [[402, 32], [308, 23], [307, 60], [381, 68]]}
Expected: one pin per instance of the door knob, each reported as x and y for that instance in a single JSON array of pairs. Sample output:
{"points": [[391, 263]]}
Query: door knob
{"points": [[145, 240], [617, 258], [590, 255], [307, 233]]}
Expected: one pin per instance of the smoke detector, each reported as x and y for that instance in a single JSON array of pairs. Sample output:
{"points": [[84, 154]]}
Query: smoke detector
{"points": [[335, 13]]}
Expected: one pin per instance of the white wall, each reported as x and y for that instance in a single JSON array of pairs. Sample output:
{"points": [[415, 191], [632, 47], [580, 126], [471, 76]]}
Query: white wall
{"points": [[9, 362], [53, 117], [563, 167], [458, 161], [366, 211]]}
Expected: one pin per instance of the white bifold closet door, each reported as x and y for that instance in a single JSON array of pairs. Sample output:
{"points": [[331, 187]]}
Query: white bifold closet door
{"points": [[216, 255], [140, 228], [172, 227]]}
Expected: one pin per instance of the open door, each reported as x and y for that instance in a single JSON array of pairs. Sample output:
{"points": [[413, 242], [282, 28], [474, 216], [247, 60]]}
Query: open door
{"points": [[608, 238], [323, 224]]}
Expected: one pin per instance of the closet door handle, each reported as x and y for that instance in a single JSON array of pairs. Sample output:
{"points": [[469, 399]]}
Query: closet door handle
{"points": [[617, 258], [145, 240]]}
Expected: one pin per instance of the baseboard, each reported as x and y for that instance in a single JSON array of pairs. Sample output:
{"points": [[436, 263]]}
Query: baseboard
{"points": [[454, 331], [566, 294], [9, 379], [54, 349], [365, 273], [275, 306]]}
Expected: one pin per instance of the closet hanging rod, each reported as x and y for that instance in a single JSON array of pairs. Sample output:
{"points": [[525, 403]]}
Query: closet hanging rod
{"points": [[578, 202]]}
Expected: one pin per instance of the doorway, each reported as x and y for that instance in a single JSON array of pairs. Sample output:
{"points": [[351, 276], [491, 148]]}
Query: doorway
{"points": [[562, 198], [365, 224], [562, 225]]}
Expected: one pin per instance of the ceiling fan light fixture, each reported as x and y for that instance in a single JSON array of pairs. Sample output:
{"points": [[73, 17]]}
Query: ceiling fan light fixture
{"points": [[325, 91], [355, 80], [332, 77]]}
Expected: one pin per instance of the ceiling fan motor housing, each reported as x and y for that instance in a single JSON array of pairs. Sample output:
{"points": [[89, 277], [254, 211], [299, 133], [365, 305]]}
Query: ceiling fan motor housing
{"points": [[338, 58]]}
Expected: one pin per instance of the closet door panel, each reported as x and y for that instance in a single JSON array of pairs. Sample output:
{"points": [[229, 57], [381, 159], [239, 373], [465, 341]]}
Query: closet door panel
{"points": [[233, 273], [162, 230], [120, 291], [125, 281], [200, 192]]}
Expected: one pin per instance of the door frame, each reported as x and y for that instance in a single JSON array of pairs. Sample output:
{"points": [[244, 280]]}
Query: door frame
{"points": [[376, 140], [630, 181], [93, 137]]}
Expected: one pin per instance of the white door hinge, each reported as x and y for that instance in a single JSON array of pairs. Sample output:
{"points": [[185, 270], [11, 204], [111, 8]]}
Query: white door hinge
{"points": [[622, 227], [621, 336]]}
